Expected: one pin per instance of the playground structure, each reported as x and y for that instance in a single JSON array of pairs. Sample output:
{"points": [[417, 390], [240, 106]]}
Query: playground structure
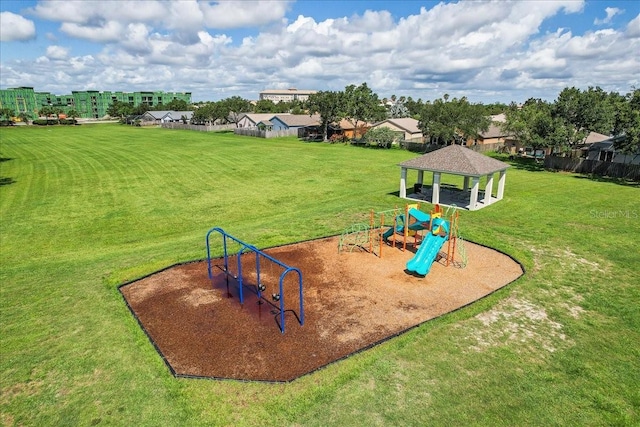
{"points": [[427, 232], [234, 247]]}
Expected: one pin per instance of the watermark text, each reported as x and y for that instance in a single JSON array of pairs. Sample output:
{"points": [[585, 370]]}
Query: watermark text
{"points": [[614, 214]]}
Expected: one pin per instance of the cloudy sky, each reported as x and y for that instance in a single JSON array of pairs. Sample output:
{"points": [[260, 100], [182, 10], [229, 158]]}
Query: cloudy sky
{"points": [[498, 51]]}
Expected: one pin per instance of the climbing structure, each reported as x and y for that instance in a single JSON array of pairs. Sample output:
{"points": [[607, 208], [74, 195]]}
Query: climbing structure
{"points": [[366, 236], [410, 227]]}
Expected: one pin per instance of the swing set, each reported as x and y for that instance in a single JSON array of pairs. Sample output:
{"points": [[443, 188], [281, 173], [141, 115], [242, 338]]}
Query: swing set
{"points": [[259, 288]]}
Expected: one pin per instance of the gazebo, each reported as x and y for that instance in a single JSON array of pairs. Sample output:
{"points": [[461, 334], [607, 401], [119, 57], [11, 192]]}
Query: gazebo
{"points": [[455, 160]]}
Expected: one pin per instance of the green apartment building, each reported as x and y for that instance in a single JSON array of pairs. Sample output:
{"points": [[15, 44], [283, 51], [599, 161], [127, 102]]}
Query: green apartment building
{"points": [[88, 104]]}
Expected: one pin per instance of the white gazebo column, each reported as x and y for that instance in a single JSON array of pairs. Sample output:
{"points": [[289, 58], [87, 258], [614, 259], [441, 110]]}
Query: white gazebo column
{"points": [[435, 198], [488, 189], [420, 176], [465, 186], [403, 183], [474, 193], [501, 180]]}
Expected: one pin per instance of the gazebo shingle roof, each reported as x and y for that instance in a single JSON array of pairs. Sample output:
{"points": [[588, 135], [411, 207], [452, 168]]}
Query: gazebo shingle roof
{"points": [[456, 160]]}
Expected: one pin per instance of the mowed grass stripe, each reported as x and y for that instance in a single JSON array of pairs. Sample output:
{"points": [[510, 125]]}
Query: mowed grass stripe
{"points": [[72, 354]]}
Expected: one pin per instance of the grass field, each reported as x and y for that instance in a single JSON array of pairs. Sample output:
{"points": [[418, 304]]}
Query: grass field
{"points": [[83, 209]]}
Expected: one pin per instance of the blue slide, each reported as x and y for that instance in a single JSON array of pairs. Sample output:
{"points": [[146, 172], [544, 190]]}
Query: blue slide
{"points": [[428, 250]]}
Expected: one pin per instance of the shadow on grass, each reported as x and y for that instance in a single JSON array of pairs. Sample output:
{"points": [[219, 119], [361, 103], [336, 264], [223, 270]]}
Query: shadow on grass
{"points": [[528, 164], [618, 181], [6, 180]]}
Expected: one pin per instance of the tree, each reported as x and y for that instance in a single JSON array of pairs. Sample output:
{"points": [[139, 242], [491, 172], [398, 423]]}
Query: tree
{"points": [[381, 136], [329, 105], [140, 109], [535, 126], [236, 107], [48, 111], [178, 105], [628, 124], [210, 113], [6, 114], [398, 109], [414, 107], [296, 107], [24, 117], [73, 115], [450, 121], [361, 105], [495, 108], [120, 109], [264, 106], [591, 110]]}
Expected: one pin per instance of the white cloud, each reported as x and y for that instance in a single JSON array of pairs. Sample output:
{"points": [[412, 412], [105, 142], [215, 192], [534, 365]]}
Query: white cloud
{"points": [[110, 31], [611, 12], [490, 48], [177, 15], [230, 14], [57, 52], [89, 12], [16, 28], [598, 45], [633, 28]]}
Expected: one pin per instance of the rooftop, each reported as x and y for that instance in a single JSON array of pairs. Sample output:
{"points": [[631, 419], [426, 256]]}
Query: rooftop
{"points": [[457, 160]]}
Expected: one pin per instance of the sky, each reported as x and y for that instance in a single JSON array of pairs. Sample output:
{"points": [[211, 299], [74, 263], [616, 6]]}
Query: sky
{"points": [[488, 51]]}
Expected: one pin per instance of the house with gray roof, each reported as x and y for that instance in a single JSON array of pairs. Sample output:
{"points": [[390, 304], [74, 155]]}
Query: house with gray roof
{"points": [[179, 116], [165, 116], [455, 160], [156, 117], [251, 120], [294, 121], [605, 151]]}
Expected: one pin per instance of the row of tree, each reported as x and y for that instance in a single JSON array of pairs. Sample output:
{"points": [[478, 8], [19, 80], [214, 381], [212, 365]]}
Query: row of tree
{"points": [[565, 123], [443, 120], [562, 124]]}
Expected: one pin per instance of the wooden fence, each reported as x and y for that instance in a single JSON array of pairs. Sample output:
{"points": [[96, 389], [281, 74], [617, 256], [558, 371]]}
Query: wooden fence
{"points": [[265, 133], [200, 128], [421, 147], [484, 148], [595, 167]]}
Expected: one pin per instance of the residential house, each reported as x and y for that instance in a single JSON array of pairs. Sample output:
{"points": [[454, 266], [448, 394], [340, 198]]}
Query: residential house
{"points": [[347, 128], [582, 149], [406, 127], [294, 121], [605, 151], [180, 116], [251, 120], [265, 125], [155, 118], [495, 137]]}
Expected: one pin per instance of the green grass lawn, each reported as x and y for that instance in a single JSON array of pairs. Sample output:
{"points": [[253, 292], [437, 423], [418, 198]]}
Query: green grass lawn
{"points": [[83, 209]]}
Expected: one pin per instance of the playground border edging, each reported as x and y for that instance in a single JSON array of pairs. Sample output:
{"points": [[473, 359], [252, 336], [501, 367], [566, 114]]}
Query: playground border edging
{"points": [[360, 350]]}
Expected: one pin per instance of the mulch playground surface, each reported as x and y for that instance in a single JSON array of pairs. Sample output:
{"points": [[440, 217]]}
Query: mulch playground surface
{"points": [[352, 300]]}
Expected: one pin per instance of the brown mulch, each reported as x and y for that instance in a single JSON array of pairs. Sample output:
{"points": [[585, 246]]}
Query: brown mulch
{"points": [[352, 300]]}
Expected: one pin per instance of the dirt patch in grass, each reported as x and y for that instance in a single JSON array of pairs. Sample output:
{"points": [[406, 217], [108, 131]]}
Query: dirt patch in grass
{"points": [[352, 300]]}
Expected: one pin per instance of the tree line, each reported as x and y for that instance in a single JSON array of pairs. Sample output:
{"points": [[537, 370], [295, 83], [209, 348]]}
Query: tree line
{"points": [[566, 122], [562, 124]]}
